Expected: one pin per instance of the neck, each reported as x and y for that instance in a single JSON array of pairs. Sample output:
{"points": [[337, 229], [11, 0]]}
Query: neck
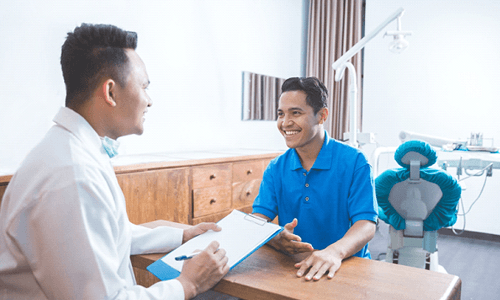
{"points": [[97, 119], [310, 152]]}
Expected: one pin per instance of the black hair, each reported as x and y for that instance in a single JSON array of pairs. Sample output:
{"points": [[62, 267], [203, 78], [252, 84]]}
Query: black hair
{"points": [[317, 94], [91, 53]]}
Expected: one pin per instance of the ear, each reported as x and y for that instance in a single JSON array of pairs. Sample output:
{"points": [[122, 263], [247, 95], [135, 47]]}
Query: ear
{"points": [[322, 115], [108, 92]]}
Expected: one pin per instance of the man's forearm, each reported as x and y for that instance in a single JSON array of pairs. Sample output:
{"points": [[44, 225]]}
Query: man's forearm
{"points": [[272, 242], [355, 239]]}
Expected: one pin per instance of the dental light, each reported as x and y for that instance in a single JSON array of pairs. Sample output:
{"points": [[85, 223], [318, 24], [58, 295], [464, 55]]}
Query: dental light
{"points": [[399, 44]]}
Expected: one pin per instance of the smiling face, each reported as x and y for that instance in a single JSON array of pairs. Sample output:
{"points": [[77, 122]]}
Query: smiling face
{"points": [[132, 100], [297, 122]]}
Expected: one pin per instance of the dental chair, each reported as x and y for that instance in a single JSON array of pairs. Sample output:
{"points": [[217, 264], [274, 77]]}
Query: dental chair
{"points": [[416, 201]]}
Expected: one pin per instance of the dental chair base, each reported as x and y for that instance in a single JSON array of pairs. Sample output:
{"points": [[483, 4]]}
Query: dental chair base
{"points": [[420, 252]]}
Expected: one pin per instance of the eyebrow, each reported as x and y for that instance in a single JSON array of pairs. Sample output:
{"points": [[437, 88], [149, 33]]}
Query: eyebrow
{"points": [[292, 109]]}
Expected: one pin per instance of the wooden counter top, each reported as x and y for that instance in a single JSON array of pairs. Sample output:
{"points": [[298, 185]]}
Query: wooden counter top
{"points": [[154, 161]]}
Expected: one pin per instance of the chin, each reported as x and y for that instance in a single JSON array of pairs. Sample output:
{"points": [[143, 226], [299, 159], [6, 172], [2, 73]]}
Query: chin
{"points": [[291, 145], [137, 130]]}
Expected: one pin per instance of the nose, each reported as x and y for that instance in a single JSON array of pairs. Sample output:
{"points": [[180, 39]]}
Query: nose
{"points": [[150, 102], [286, 122]]}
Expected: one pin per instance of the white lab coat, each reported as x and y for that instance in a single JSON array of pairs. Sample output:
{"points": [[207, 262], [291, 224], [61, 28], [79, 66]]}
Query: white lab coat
{"points": [[64, 230]]}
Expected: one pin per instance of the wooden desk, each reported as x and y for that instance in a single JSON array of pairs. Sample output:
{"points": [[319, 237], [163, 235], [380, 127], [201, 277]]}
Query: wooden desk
{"points": [[268, 274]]}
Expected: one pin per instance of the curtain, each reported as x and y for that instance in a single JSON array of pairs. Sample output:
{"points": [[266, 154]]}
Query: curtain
{"points": [[334, 27]]}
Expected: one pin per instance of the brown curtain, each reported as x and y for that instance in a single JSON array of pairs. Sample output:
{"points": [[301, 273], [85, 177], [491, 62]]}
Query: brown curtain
{"points": [[334, 27]]}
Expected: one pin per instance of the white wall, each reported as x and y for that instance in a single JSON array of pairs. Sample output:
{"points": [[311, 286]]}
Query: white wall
{"points": [[194, 51], [446, 84]]}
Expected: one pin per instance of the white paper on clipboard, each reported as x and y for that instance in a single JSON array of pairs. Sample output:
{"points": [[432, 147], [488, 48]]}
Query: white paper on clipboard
{"points": [[240, 236]]}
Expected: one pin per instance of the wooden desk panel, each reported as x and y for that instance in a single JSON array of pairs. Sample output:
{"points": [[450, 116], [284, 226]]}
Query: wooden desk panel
{"points": [[268, 274], [156, 195], [192, 191]]}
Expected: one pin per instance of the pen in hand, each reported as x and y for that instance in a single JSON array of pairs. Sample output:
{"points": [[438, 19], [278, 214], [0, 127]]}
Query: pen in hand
{"points": [[184, 257]]}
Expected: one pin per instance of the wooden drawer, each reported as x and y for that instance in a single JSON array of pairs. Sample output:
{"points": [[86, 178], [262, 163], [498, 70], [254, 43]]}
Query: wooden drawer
{"points": [[244, 193], [249, 170], [211, 200], [212, 175]]}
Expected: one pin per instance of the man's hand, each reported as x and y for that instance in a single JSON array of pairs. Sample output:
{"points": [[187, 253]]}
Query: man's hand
{"points": [[198, 229], [320, 262], [288, 242], [330, 259], [204, 270]]}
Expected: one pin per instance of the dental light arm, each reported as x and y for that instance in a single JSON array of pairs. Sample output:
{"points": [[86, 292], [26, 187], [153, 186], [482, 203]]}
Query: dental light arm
{"points": [[339, 63], [343, 62], [432, 140]]}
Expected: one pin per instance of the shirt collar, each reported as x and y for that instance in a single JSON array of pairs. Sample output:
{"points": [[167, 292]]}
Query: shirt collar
{"points": [[77, 125], [322, 162], [325, 157]]}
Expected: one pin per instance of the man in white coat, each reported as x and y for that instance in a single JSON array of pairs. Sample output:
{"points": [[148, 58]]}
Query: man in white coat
{"points": [[64, 230]]}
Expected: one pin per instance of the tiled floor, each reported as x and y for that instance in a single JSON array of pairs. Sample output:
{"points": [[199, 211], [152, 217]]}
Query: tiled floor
{"points": [[475, 261]]}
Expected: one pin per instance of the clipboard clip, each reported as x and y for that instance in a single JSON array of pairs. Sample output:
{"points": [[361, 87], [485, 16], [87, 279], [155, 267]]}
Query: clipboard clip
{"points": [[256, 219]]}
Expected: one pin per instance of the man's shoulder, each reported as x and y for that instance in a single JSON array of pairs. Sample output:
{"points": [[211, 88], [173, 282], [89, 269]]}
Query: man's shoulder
{"points": [[336, 145], [58, 154], [344, 150]]}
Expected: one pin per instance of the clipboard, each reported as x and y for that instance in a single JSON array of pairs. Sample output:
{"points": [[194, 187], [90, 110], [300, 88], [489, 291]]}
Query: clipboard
{"points": [[240, 236]]}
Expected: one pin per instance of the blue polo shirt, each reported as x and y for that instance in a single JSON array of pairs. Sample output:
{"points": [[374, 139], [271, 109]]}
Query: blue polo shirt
{"points": [[327, 200]]}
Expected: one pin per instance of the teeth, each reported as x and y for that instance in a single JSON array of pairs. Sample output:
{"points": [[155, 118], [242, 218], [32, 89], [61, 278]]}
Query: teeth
{"points": [[291, 132]]}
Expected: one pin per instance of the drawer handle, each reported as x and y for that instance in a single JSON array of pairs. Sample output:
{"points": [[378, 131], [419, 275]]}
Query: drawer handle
{"points": [[249, 193], [213, 201], [249, 172], [212, 176]]}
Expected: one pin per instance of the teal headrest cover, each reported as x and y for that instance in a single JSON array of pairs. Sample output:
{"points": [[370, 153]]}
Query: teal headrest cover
{"points": [[416, 146], [443, 215]]}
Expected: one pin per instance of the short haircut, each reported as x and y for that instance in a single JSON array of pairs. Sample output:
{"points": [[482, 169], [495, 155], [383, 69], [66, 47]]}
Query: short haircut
{"points": [[317, 94], [92, 53]]}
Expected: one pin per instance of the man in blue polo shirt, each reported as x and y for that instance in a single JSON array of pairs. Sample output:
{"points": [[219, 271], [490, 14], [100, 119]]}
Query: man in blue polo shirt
{"points": [[321, 190]]}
